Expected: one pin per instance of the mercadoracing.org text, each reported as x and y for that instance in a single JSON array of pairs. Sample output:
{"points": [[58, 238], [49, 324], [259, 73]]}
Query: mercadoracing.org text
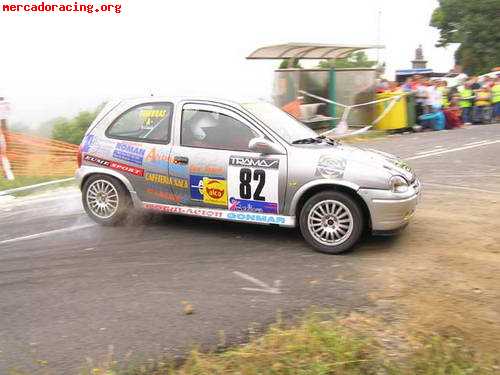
{"points": [[76, 7]]}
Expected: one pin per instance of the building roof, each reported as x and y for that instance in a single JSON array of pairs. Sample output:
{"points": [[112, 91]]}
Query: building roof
{"points": [[308, 51]]}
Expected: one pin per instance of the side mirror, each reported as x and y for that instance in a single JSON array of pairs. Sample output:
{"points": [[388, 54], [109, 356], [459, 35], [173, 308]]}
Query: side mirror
{"points": [[264, 146]]}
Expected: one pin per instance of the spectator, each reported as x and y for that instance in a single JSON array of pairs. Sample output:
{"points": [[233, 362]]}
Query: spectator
{"points": [[466, 96], [443, 91], [481, 104], [495, 98], [420, 97]]}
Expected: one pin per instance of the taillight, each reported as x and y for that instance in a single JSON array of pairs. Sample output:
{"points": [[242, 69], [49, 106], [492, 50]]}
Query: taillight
{"points": [[79, 157]]}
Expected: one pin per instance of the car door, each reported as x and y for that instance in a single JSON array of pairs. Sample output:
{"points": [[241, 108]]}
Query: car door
{"points": [[212, 153], [141, 149]]}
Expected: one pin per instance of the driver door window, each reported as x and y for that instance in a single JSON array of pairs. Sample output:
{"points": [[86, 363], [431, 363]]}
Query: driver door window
{"points": [[214, 130]]}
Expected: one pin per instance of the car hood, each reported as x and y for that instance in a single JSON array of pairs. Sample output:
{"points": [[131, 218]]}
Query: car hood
{"points": [[392, 163], [364, 167]]}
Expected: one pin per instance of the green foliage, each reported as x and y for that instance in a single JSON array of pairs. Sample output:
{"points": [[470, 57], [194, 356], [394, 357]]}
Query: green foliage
{"points": [[317, 345], [476, 26], [72, 131], [290, 63], [356, 60]]}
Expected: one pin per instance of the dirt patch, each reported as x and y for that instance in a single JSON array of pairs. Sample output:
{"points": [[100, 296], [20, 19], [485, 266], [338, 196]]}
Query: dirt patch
{"points": [[442, 275]]}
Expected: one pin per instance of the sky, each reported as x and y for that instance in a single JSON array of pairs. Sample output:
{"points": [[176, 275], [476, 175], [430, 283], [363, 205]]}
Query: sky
{"points": [[59, 64]]}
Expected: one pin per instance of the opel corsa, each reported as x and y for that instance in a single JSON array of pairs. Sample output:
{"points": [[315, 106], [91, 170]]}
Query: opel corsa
{"points": [[244, 162]]}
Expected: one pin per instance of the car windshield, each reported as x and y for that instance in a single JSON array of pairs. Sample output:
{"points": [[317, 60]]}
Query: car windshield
{"points": [[286, 126]]}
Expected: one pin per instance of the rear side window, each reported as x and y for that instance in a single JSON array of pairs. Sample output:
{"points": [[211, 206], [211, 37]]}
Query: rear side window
{"points": [[145, 122]]}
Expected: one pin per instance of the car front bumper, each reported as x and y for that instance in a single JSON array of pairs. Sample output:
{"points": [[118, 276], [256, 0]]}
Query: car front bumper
{"points": [[390, 211]]}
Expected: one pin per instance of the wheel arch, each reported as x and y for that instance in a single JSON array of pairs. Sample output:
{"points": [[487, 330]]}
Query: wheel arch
{"points": [[307, 192], [92, 171]]}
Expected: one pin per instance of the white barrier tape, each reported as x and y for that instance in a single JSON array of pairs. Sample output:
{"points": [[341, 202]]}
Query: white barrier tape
{"points": [[322, 99], [347, 110], [354, 105], [36, 186]]}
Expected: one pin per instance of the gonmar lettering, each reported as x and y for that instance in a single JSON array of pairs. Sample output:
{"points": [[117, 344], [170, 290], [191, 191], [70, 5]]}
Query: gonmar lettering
{"points": [[114, 165], [254, 162], [166, 180], [164, 195], [183, 210], [256, 218]]}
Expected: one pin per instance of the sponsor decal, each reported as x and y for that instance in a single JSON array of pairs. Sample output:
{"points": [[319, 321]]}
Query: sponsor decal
{"points": [[206, 169], [196, 187], [330, 167], [184, 210], [209, 190], [221, 214], [256, 218], [95, 146], [161, 179], [252, 206], [151, 117], [88, 141], [164, 161], [244, 161], [253, 184], [96, 160], [214, 191], [114, 165], [164, 195], [129, 152]]}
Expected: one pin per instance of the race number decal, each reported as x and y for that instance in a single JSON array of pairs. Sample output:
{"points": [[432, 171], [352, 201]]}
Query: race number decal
{"points": [[253, 184]]}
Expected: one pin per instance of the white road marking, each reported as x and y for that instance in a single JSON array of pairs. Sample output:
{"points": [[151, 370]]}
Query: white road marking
{"points": [[49, 233], [462, 188], [451, 150], [275, 289], [476, 142], [428, 151]]}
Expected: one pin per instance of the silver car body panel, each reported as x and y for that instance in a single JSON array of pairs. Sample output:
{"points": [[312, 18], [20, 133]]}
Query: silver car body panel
{"points": [[300, 167]]}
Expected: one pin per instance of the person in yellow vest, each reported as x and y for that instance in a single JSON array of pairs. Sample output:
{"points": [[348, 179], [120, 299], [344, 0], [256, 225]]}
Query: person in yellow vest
{"points": [[495, 98], [443, 90], [482, 106], [466, 97]]}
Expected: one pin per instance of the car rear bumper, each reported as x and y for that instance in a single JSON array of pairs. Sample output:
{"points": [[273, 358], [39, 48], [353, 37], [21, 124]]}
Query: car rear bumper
{"points": [[390, 212]]}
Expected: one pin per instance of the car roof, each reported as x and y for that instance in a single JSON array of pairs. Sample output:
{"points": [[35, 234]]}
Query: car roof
{"points": [[178, 99]]}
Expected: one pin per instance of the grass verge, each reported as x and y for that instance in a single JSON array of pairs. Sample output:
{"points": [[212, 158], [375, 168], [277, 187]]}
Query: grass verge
{"points": [[317, 346], [22, 181]]}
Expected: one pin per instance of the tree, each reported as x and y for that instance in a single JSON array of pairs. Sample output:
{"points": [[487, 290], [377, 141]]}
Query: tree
{"points": [[73, 130], [290, 63], [356, 60], [475, 25]]}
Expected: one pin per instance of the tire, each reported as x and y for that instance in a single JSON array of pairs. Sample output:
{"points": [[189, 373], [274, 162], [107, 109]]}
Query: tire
{"points": [[332, 222], [109, 208]]}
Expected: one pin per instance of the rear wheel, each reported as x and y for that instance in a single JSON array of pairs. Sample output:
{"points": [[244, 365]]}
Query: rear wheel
{"points": [[331, 221], [105, 199]]}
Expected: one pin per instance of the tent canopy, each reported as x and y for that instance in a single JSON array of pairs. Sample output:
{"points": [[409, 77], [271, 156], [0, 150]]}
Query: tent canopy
{"points": [[307, 51]]}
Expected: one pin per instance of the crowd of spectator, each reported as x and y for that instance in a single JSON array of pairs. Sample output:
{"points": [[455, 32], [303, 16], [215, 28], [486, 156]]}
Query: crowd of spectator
{"points": [[439, 105]]}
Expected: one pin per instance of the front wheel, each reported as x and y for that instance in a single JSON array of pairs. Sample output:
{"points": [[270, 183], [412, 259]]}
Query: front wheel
{"points": [[331, 221], [105, 199]]}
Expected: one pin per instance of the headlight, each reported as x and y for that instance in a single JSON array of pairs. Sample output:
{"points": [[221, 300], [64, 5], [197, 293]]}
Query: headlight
{"points": [[398, 184]]}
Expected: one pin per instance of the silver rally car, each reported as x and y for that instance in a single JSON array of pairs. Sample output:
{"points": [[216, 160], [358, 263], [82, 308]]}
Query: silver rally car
{"points": [[245, 162]]}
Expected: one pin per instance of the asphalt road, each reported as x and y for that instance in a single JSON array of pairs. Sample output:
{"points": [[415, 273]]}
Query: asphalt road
{"points": [[70, 289]]}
